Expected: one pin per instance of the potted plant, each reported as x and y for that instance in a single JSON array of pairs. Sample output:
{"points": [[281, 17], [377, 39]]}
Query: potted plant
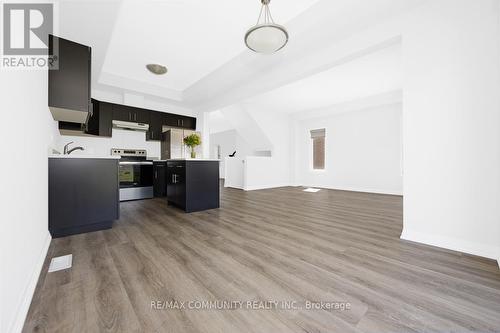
{"points": [[192, 141]]}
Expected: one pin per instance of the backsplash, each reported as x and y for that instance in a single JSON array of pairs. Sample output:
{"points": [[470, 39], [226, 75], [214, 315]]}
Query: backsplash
{"points": [[102, 146]]}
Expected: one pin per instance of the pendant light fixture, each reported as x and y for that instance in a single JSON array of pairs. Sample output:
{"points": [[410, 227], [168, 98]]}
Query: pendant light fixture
{"points": [[266, 36]]}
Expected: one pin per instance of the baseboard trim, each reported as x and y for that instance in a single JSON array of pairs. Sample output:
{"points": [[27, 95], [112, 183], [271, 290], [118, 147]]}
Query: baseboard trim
{"points": [[358, 189], [454, 244], [338, 188], [265, 187], [233, 186], [23, 308]]}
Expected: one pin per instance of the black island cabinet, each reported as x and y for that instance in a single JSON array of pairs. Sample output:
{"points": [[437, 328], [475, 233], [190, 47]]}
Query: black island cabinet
{"points": [[159, 175], [83, 195], [193, 185]]}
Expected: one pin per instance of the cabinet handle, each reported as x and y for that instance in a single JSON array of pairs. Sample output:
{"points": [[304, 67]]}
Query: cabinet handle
{"points": [[129, 116], [135, 116], [156, 174]]}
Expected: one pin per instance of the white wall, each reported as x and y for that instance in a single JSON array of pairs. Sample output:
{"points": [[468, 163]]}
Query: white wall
{"points": [[452, 126], [266, 130], [260, 172], [218, 122], [102, 146], [275, 171], [234, 174], [229, 141], [243, 121], [25, 139], [363, 150]]}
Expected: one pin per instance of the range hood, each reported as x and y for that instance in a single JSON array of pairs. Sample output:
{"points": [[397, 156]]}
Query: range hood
{"points": [[130, 125]]}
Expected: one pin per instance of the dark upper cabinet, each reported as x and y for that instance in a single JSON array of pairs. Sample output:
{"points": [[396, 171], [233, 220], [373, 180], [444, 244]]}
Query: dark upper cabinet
{"points": [[105, 119], [188, 123], [130, 113], [69, 80], [155, 126], [171, 120], [92, 126], [100, 122], [158, 119], [142, 115], [120, 113], [68, 126], [175, 120]]}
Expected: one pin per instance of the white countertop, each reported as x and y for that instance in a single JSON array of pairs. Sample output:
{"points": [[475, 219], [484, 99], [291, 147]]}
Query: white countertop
{"points": [[190, 159], [108, 157]]}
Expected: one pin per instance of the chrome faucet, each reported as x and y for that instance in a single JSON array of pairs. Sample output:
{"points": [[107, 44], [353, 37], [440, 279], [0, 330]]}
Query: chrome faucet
{"points": [[69, 151]]}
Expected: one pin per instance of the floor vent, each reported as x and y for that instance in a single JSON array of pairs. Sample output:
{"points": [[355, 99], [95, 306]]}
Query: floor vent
{"points": [[60, 263], [312, 190]]}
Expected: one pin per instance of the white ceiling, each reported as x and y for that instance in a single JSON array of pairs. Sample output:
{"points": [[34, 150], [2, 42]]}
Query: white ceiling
{"points": [[191, 37], [201, 43], [370, 75]]}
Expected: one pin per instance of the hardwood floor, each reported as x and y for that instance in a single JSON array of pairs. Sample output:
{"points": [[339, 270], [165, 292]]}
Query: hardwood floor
{"points": [[271, 245]]}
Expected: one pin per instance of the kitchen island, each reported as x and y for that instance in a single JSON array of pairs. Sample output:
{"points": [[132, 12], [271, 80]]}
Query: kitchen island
{"points": [[193, 184]]}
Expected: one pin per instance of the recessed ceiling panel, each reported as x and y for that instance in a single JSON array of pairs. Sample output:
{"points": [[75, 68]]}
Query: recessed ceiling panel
{"points": [[190, 37]]}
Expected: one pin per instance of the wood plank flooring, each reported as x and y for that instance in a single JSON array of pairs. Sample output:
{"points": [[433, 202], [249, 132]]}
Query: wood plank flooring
{"points": [[280, 245]]}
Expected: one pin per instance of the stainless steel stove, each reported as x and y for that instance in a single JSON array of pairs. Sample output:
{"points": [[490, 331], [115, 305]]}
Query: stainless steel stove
{"points": [[136, 174]]}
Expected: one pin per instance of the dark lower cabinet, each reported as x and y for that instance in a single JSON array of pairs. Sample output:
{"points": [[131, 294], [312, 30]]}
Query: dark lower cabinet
{"points": [[176, 185], [83, 195], [159, 179], [193, 185]]}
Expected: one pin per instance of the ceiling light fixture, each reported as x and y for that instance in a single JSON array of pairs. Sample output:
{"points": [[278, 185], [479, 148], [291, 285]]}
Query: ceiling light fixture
{"points": [[266, 37], [156, 69]]}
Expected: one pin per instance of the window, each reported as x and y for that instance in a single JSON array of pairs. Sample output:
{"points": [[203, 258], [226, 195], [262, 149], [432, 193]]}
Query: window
{"points": [[318, 149]]}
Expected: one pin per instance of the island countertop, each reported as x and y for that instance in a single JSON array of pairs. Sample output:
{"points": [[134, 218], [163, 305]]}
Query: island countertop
{"points": [[85, 156], [189, 160]]}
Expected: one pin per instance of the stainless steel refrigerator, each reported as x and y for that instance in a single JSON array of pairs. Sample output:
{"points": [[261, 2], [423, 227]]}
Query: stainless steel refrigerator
{"points": [[172, 144]]}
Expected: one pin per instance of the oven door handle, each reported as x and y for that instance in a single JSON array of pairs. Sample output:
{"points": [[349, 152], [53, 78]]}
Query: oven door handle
{"points": [[135, 163]]}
